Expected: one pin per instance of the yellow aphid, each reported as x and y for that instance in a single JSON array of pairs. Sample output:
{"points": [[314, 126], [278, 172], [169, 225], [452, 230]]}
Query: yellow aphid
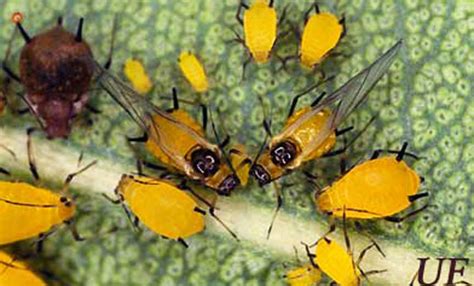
{"points": [[14, 272], [193, 71], [260, 30], [310, 132], [306, 275], [27, 211], [336, 263], [377, 188], [136, 74], [161, 206], [321, 34]]}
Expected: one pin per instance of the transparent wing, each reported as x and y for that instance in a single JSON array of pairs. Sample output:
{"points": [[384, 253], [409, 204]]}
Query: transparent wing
{"points": [[142, 111], [355, 91], [351, 94]]}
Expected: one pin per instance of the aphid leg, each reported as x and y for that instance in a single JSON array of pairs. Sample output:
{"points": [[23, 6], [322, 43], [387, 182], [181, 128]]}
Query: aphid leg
{"points": [[416, 197], [5, 171], [344, 229], [154, 166], [224, 142], [78, 37], [316, 8], [239, 9], [375, 155], [374, 243], [136, 222], [283, 15], [400, 153], [31, 157], [204, 116], [180, 240], [277, 209], [73, 228], [271, 3], [306, 14], [410, 214], [59, 21], [23, 32], [311, 256], [373, 272], [5, 68], [141, 139], [340, 132], [71, 176], [92, 109], [342, 21], [244, 66]]}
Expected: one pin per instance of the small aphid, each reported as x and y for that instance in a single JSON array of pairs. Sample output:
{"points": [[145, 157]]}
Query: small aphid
{"points": [[14, 272], [322, 32], [137, 75], [28, 211], [310, 132], [161, 206], [306, 275], [378, 188], [260, 30], [56, 69], [193, 71]]}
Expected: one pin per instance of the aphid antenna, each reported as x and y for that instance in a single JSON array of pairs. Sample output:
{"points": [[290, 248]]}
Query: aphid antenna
{"points": [[79, 30], [9, 151], [400, 153], [221, 143], [311, 256], [211, 210], [295, 99], [5, 68], [71, 176], [73, 229], [18, 24], [108, 63], [279, 197]]}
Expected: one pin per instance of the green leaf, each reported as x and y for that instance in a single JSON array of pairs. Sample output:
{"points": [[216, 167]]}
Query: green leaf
{"points": [[426, 100]]}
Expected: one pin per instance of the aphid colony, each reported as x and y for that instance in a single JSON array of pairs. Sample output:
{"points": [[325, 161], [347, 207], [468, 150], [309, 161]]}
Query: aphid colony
{"points": [[57, 70]]}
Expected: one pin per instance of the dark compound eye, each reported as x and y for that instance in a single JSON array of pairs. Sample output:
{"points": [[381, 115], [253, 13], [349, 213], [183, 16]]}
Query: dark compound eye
{"points": [[228, 185], [205, 162], [283, 153], [262, 176]]}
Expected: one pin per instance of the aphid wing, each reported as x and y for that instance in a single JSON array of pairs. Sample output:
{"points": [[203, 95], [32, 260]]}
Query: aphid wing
{"points": [[351, 94]]}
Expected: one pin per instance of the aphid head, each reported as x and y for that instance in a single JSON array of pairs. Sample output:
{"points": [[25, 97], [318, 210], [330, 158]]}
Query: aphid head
{"points": [[262, 176], [283, 153], [228, 185], [69, 207], [205, 162], [56, 115]]}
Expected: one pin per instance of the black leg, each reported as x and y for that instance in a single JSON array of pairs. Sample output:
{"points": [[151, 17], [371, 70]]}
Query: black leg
{"points": [[23, 32], [267, 128], [141, 139], [277, 209], [344, 28], [31, 158], [10, 73], [204, 116], [342, 131], [400, 219], [175, 98], [59, 22], [5, 171], [108, 63], [72, 227], [180, 240], [225, 142], [237, 15], [416, 197]]}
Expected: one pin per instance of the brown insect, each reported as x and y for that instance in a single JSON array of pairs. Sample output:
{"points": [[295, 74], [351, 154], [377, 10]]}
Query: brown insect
{"points": [[56, 70]]}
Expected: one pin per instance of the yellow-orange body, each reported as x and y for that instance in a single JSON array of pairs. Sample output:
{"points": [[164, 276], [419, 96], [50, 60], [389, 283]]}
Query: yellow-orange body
{"points": [[26, 211], [306, 275], [16, 273], [260, 30], [161, 206], [301, 132], [136, 74], [374, 189], [193, 71], [183, 145], [336, 263], [321, 34]]}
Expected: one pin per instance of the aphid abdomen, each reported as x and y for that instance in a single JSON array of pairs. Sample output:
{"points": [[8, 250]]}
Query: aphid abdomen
{"points": [[193, 71], [376, 188], [55, 63], [310, 129], [27, 211], [162, 207], [260, 28], [336, 262], [321, 34], [15, 272], [180, 141]]}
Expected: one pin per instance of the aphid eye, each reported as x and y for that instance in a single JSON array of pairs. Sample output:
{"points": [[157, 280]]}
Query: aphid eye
{"points": [[283, 153], [205, 162], [261, 175], [229, 184]]}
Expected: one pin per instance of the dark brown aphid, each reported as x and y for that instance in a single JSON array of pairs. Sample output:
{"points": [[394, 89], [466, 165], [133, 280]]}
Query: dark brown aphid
{"points": [[56, 69]]}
